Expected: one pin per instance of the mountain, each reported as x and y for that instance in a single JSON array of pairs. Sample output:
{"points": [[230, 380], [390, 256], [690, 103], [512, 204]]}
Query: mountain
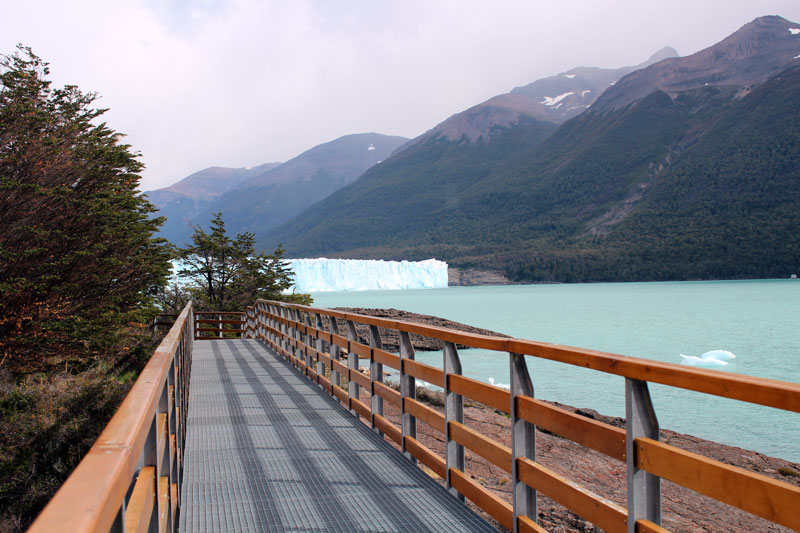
{"points": [[696, 180], [271, 196], [181, 202], [758, 51], [552, 99]]}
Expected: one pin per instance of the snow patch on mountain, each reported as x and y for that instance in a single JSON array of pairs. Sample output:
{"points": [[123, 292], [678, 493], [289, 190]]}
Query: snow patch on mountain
{"points": [[554, 100]]}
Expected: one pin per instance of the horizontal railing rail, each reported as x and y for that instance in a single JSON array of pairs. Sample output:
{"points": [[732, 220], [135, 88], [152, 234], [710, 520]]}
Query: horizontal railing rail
{"points": [[310, 338], [209, 325], [130, 480]]}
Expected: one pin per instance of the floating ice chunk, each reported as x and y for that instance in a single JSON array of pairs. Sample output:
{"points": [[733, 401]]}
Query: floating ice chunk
{"points": [[693, 360], [794, 31], [501, 385], [553, 100], [719, 355]]}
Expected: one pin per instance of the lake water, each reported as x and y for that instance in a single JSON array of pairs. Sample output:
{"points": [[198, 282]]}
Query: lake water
{"points": [[756, 320]]}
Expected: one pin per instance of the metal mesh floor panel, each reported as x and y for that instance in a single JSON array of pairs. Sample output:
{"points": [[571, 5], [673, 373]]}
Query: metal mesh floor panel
{"points": [[267, 450]]}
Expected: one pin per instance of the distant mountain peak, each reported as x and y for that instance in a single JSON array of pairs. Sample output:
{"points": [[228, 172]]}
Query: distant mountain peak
{"points": [[751, 55], [553, 99]]}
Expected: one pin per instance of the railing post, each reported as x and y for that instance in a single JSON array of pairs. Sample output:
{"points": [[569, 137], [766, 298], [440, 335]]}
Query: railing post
{"points": [[318, 345], [375, 374], [453, 412], [408, 389], [644, 489], [352, 364], [333, 327], [219, 325], [523, 440]]}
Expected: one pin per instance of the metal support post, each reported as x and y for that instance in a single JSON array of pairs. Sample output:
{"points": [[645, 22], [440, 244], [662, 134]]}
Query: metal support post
{"points": [[453, 412], [408, 389], [333, 327], [375, 374], [319, 346], [352, 364], [523, 440], [644, 489]]}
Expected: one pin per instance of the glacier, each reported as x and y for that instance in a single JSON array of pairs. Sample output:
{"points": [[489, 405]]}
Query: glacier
{"points": [[324, 275]]}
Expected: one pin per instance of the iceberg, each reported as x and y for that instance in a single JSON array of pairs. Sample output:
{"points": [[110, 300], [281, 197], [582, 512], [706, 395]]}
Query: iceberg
{"points": [[325, 275], [711, 359]]}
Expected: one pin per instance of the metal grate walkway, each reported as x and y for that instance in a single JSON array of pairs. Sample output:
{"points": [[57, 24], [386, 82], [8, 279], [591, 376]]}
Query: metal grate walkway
{"points": [[267, 450]]}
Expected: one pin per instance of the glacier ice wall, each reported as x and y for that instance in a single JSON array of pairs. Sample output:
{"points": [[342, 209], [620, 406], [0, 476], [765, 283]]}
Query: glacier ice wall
{"points": [[323, 275]]}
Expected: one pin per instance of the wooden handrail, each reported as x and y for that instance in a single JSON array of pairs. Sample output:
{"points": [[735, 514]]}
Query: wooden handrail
{"points": [[122, 479], [294, 331]]}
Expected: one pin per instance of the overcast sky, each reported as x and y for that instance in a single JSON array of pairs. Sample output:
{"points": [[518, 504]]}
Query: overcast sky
{"points": [[196, 83]]}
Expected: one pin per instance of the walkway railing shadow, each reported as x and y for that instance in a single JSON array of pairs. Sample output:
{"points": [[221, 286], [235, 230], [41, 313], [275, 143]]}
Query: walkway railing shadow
{"points": [[310, 338]]}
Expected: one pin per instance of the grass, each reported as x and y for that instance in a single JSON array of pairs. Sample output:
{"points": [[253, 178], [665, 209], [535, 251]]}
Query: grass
{"points": [[50, 420]]}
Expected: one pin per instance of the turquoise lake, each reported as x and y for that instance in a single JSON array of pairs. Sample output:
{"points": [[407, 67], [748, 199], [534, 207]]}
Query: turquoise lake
{"points": [[756, 320]]}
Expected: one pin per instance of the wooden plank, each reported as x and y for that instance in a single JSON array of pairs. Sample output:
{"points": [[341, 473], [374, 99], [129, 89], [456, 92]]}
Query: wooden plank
{"points": [[389, 429], [596, 435], [325, 382], [484, 393], [163, 503], [492, 451], [340, 393], [385, 358], [762, 391], [420, 411], [426, 456], [174, 500], [339, 367], [212, 321], [361, 350], [140, 506], [646, 526], [325, 359], [323, 335], [428, 373], [358, 377], [762, 496], [526, 525], [387, 393], [311, 352], [311, 374], [204, 313], [218, 330], [498, 508], [473, 340], [339, 341], [360, 407], [581, 501]]}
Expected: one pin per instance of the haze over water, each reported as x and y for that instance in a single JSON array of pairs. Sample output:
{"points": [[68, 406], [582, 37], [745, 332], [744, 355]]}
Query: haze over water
{"points": [[756, 320]]}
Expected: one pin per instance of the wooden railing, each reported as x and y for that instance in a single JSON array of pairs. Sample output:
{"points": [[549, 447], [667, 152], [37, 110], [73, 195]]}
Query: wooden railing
{"points": [[218, 325], [130, 480], [311, 339]]}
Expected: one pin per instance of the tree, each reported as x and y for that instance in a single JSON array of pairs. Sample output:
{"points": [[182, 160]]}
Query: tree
{"points": [[227, 274], [78, 257]]}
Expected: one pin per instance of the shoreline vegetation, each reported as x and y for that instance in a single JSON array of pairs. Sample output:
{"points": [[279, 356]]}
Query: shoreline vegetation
{"points": [[684, 510]]}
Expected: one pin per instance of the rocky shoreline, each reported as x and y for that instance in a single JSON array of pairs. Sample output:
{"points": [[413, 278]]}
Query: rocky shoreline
{"points": [[683, 509]]}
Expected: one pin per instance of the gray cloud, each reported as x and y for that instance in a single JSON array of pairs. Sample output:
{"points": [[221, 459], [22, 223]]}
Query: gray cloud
{"points": [[243, 82]]}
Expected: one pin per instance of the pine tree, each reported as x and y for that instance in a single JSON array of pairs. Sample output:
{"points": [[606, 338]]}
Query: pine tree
{"points": [[227, 274], [78, 257]]}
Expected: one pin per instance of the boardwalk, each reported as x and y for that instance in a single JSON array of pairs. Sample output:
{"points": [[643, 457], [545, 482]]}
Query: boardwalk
{"points": [[266, 450]]}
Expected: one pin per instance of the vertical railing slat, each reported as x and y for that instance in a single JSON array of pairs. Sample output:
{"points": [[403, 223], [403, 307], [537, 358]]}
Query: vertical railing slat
{"points": [[523, 441], [408, 389], [375, 374], [453, 412], [644, 489]]}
